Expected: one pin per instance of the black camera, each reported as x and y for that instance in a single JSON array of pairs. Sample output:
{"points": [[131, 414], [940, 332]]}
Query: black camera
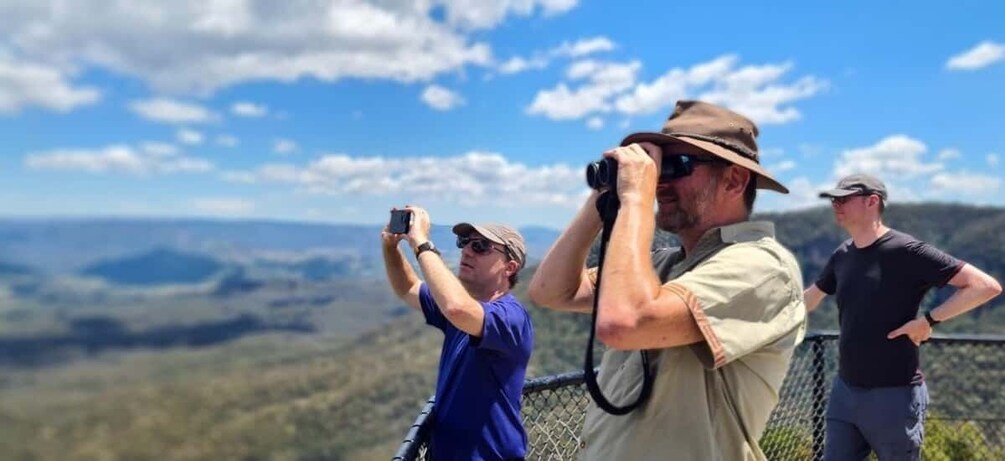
{"points": [[602, 174], [401, 221]]}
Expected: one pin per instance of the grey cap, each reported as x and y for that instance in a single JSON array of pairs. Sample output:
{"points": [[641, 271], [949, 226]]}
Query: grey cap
{"points": [[857, 184], [498, 233]]}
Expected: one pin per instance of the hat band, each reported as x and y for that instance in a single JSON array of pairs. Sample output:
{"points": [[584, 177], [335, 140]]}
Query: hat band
{"points": [[742, 150]]}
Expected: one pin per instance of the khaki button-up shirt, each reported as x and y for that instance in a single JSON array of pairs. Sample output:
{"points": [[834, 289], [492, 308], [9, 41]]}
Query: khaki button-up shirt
{"points": [[710, 400]]}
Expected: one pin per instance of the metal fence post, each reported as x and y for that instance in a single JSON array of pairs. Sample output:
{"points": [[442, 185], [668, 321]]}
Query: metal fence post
{"points": [[819, 396]]}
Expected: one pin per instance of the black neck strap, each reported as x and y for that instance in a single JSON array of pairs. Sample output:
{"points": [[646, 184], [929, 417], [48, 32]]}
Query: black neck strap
{"points": [[607, 206]]}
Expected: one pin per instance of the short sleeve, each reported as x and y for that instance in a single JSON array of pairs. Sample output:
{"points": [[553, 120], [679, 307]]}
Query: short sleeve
{"points": [[827, 282], [505, 327], [932, 265], [743, 298], [430, 309]]}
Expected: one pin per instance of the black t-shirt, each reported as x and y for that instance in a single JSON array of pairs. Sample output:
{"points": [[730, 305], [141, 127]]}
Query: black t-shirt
{"points": [[879, 289]]}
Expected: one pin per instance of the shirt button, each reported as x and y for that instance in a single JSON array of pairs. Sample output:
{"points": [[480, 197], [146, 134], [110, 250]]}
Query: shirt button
{"points": [[582, 444]]}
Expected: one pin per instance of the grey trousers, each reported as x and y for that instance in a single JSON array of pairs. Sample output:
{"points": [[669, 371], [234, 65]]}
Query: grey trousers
{"points": [[887, 420]]}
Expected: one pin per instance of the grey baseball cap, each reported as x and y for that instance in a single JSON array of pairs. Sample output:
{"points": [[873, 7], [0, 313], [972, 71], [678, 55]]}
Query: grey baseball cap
{"points": [[857, 184], [498, 233]]}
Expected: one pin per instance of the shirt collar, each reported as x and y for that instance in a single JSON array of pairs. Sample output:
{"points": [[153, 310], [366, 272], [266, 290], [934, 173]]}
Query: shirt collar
{"points": [[746, 231]]}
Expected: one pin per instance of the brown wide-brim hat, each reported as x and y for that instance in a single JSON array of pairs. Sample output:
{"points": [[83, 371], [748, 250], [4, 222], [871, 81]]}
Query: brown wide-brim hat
{"points": [[716, 130]]}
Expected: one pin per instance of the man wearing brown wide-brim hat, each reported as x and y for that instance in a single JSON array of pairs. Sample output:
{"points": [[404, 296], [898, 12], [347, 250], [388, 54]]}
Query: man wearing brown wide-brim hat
{"points": [[718, 317]]}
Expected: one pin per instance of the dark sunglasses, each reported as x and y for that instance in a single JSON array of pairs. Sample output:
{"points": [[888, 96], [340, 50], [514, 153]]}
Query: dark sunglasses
{"points": [[843, 200], [675, 166], [478, 245]]}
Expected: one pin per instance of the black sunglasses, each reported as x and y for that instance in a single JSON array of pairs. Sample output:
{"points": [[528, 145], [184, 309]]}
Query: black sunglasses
{"points": [[675, 166], [478, 245], [842, 200]]}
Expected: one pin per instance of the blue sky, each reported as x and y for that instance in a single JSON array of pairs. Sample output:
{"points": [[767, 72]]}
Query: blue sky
{"points": [[478, 110]]}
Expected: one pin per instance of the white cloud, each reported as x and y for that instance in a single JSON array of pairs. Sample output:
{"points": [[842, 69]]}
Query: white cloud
{"points": [[165, 110], [25, 84], [189, 136], [966, 183], [476, 178], [240, 177], [673, 85], [982, 55], [595, 123], [755, 91], [224, 206], [440, 98], [249, 109], [116, 158], [949, 153], [480, 14], [540, 60], [784, 165], [284, 146], [770, 152], [811, 150], [518, 64], [992, 160], [159, 149], [583, 47], [603, 80], [894, 157], [227, 140], [803, 193], [195, 46]]}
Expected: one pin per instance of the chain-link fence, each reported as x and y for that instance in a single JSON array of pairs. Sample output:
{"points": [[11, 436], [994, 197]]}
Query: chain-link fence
{"points": [[966, 418]]}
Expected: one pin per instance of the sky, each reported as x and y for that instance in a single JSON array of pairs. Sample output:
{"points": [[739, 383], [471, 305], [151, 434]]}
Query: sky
{"points": [[482, 110]]}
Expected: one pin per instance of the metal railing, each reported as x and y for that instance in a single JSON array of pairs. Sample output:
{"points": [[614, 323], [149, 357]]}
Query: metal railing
{"points": [[966, 417]]}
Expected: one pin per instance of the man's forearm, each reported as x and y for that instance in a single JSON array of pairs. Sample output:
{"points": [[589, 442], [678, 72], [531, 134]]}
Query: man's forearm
{"points": [[812, 297], [443, 285], [965, 299], [629, 282], [456, 304], [399, 272]]}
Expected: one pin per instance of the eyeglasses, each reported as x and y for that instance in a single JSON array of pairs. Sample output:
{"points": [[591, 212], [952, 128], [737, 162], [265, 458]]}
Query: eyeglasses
{"points": [[675, 166], [843, 200], [478, 245]]}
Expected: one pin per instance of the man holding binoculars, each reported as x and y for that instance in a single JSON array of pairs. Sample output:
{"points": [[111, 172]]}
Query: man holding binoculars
{"points": [[719, 318], [488, 336]]}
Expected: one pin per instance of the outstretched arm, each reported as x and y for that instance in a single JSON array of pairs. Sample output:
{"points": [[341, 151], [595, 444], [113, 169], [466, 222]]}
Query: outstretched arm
{"points": [[461, 310], [812, 297], [404, 282]]}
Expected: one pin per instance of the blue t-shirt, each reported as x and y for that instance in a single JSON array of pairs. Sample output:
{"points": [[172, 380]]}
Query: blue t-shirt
{"points": [[480, 383]]}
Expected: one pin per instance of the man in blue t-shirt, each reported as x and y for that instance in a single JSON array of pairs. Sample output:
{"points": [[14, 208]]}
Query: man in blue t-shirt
{"points": [[880, 276], [488, 336]]}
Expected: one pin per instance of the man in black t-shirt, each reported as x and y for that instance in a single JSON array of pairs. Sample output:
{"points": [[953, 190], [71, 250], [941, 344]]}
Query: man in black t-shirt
{"points": [[880, 276]]}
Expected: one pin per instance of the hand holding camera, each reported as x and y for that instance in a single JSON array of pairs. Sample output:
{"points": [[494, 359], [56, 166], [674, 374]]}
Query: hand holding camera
{"points": [[410, 223], [401, 221]]}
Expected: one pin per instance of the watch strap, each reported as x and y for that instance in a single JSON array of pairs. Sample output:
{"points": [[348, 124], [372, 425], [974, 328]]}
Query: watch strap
{"points": [[931, 321], [426, 246]]}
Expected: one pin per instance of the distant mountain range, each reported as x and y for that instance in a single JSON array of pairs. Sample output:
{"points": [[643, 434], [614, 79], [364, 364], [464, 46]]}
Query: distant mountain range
{"points": [[154, 251], [238, 256]]}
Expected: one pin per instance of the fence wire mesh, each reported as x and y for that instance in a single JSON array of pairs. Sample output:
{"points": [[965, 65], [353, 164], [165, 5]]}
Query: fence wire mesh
{"points": [[966, 417]]}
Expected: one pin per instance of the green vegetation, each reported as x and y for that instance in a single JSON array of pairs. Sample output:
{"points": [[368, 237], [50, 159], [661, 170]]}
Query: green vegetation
{"points": [[349, 387]]}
